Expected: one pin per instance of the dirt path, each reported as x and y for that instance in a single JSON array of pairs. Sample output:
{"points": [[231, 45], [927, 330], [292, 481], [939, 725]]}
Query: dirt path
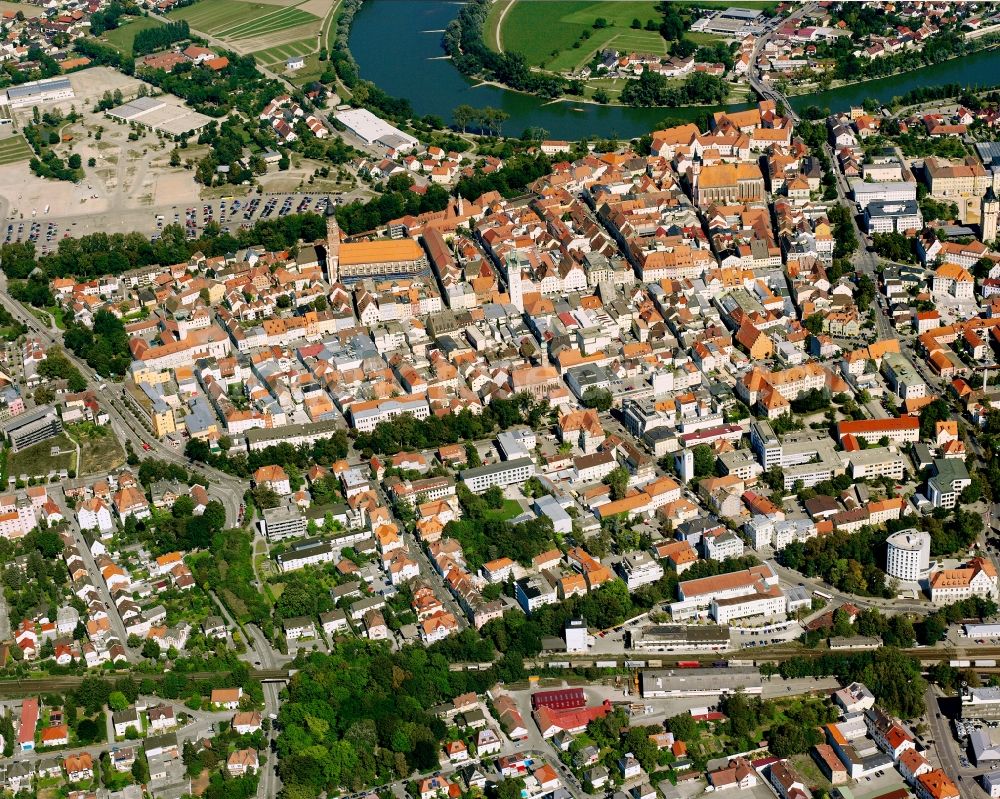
{"points": [[500, 19]]}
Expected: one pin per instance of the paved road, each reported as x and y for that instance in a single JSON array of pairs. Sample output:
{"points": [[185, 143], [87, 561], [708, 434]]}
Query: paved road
{"points": [[114, 617], [947, 750]]}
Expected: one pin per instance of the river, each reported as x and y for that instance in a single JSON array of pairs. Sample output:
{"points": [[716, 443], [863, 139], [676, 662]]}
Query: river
{"points": [[397, 44], [976, 69]]}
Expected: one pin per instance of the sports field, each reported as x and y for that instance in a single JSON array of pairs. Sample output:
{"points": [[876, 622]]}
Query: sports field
{"points": [[14, 149], [546, 32], [121, 38]]}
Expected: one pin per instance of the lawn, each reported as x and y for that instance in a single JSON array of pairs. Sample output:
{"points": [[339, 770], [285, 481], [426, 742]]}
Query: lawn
{"points": [[100, 450], [509, 510], [14, 149], [37, 460], [546, 32], [121, 38]]}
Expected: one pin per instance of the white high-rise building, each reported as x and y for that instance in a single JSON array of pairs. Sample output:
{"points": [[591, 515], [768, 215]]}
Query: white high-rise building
{"points": [[908, 555]]}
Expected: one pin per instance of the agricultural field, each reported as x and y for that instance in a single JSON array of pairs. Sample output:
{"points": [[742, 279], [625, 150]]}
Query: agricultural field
{"points": [[122, 37], [273, 31], [14, 149], [550, 34], [274, 59]]}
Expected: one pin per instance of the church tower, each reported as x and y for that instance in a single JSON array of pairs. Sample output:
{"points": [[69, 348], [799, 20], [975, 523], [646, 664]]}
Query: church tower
{"points": [[332, 246], [988, 215], [514, 288]]}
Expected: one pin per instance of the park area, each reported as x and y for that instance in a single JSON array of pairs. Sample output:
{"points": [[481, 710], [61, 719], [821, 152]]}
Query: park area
{"points": [[561, 36], [122, 37], [13, 150]]}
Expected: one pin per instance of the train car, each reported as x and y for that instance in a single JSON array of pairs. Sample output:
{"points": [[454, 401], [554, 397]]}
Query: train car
{"points": [[688, 664], [984, 664], [959, 664], [607, 664], [635, 664]]}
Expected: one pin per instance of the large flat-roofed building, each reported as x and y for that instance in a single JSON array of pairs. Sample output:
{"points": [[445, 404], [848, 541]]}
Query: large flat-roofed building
{"points": [[980, 703], [381, 258], [39, 91], [680, 638], [732, 22], [33, 427], [282, 522], [365, 125], [498, 474], [887, 216], [892, 191], [656, 683], [876, 462]]}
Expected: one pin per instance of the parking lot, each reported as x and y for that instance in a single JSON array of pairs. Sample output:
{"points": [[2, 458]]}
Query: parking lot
{"points": [[230, 214], [233, 214]]}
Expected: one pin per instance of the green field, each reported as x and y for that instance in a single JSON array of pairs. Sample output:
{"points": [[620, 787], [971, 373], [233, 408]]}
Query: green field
{"points": [[36, 461], [274, 59], [121, 38], [14, 149], [216, 14], [546, 31]]}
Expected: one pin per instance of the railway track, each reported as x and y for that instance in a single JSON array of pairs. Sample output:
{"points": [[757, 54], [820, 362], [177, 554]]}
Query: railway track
{"points": [[30, 686]]}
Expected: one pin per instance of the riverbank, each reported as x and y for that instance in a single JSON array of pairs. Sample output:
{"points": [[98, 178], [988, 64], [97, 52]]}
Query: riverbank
{"points": [[835, 85]]}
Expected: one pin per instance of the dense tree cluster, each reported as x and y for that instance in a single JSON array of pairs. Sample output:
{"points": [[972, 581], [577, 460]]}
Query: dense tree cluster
{"points": [[50, 165], [895, 247], [160, 37], [408, 433], [227, 569], [652, 89], [845, 239], [38, 586], [892, 677], [518, 173], [323, 451], [363, 216], [847, 561], [360, 715], [110, 18], [217, 92], [485, 537], [57, 366], [104, 347]]}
